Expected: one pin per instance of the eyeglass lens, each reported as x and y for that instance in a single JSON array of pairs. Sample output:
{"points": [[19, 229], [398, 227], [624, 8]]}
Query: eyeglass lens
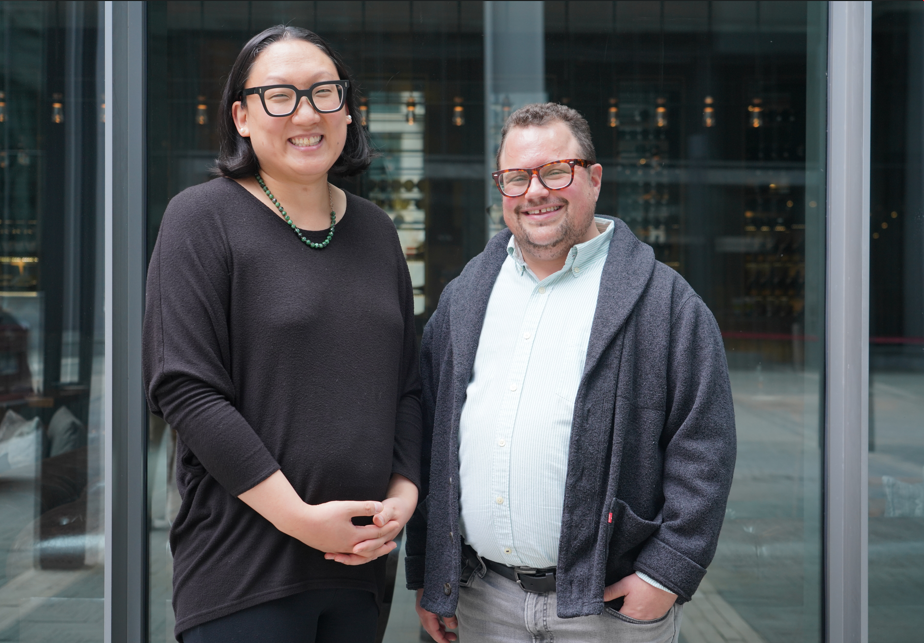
{"points": [[281, 101], [555, 177]]}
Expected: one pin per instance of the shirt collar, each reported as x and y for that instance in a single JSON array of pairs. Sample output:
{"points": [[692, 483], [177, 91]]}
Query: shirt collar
{"points": [[580, 256]]}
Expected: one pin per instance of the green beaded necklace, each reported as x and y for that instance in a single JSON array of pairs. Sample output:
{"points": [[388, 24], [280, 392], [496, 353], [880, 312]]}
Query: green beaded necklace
{"points": [[282, 211]]}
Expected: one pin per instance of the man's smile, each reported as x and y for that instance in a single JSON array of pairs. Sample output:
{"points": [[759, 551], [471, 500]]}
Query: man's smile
{"points": [[541, 210]]}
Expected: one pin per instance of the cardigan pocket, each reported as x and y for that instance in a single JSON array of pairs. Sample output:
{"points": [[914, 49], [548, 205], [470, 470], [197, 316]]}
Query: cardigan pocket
{"points": [[627, 530]]}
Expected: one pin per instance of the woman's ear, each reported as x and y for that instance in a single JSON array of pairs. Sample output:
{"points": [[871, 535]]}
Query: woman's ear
{"points": [[239, 114]]}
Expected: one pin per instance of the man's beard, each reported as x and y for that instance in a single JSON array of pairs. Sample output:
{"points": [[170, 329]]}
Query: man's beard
{"points": [[565, 238]]}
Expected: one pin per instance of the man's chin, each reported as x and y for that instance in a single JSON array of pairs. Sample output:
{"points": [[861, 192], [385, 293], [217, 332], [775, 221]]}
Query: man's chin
{"points": [[544, 248]]}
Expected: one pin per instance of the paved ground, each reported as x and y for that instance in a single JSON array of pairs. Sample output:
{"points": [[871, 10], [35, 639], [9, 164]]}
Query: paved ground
{"points": [[763, 587]]}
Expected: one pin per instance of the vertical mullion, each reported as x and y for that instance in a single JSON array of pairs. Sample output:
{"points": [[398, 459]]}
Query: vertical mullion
{"points": [[847, 351], [126, 515]]}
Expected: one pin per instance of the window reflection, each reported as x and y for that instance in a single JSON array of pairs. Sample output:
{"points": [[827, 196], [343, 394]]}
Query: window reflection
{"points": [[709, 121], [896, 350], [52, 539]]}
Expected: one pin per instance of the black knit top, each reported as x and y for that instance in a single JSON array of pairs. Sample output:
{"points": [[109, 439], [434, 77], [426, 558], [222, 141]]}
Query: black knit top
{"points": [[265, 354]]}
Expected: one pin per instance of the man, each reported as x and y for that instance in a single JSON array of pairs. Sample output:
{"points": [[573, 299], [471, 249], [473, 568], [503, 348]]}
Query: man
{"points": [[583, 437]]}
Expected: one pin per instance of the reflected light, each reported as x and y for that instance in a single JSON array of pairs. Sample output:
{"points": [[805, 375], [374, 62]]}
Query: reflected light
{"points": [[757, 113], [613, 113], [411, 109], [458, 112], [364, 112], [57, 108], [708, 113], [202, 115], [661, 113], [2, 107]]}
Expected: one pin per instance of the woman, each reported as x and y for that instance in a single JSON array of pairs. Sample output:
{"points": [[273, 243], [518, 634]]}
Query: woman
{"points": [[279, 342]]}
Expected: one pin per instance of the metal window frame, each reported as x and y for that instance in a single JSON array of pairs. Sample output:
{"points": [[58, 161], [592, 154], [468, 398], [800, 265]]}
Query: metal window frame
{"points": [[847, 322], [126, 573]]}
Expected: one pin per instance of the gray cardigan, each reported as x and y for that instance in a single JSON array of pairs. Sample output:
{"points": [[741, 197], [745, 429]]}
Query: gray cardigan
{"points": [[652, 447]]}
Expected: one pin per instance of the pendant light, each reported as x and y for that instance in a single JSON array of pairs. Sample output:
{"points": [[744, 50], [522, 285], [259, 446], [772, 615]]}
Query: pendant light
{"points": [[364, 112], [458, 112], [708, 112], [202, 114], [708, 109], [613, 113], [458, 109], [661, 113], [756, 118], [410, 105], [57, 108]]}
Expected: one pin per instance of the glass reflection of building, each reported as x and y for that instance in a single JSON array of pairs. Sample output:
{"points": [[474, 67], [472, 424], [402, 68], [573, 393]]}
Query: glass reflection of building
{"points": [[52, 536], [712, 121]]}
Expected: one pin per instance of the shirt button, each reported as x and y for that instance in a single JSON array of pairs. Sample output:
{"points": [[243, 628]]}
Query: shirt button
{"points": [[513, 387], [502, 443], [541, 290], [500, 500], [447, 589], [526, 335], [507, 550], [577, 270]]}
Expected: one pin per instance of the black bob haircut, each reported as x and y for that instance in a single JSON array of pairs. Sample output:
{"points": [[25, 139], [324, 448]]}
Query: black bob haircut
{"points": [[236, 158]]}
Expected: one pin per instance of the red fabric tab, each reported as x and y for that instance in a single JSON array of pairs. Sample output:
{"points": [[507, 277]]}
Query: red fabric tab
{"points": [[611, 517]]}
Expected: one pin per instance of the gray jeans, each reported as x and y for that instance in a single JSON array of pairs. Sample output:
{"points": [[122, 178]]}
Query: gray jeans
{"points": [[494, 609]]}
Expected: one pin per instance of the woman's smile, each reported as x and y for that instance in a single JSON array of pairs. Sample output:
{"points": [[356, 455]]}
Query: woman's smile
{"points": [[306, 141]]}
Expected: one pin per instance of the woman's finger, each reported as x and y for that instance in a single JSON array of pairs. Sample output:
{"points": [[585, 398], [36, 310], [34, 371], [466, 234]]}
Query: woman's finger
{"points": [[362, 558], [363, 548], [361, 507], [382, 535]]}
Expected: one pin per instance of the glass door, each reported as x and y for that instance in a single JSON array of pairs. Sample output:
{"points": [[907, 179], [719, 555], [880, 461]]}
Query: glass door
{"points": [[709, 120]]}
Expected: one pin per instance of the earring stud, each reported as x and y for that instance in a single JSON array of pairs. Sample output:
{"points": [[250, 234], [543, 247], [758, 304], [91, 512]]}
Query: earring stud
{"points": [[349, 118]]}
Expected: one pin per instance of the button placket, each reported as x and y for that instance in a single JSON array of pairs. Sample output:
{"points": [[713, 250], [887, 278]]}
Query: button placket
{"points": [[503, 522]]}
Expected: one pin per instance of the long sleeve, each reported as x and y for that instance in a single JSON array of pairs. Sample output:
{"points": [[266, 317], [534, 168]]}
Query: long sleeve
{"points": [[406, 459], [187, 348], [435, 337], [700, 453]]}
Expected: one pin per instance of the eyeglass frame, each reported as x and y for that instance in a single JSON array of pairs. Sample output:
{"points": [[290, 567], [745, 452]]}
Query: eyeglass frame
{"points": [[534, 171], [260, 90]]}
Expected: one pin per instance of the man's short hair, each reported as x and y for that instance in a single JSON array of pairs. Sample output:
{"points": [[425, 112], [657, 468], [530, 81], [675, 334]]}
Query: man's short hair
{"points": [[539, 114]]}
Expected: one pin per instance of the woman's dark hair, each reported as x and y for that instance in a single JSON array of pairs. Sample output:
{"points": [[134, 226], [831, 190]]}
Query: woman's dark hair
{"points": [[236, 158]]}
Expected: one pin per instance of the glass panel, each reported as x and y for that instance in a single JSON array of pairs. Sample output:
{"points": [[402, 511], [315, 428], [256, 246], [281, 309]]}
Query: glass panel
{"points": [[420, 69], [52, 537], [896, 350], [709, 120]]}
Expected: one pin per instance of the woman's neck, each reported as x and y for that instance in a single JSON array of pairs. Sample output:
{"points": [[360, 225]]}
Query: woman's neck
{"points": [[307, 204]]}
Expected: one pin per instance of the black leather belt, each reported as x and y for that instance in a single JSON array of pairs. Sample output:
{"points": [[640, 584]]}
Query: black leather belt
{"points": [[537, 581], [530, 579]]}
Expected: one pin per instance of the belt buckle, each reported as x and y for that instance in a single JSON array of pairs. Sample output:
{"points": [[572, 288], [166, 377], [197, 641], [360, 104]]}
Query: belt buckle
{"points": [[535, 584]]}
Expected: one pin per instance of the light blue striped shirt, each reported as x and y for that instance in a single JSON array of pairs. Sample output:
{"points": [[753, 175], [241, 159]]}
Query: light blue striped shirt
{"points": [[516, 421]]}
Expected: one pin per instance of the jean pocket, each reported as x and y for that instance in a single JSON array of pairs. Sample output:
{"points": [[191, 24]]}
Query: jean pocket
{"points": [[634, 621]]}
